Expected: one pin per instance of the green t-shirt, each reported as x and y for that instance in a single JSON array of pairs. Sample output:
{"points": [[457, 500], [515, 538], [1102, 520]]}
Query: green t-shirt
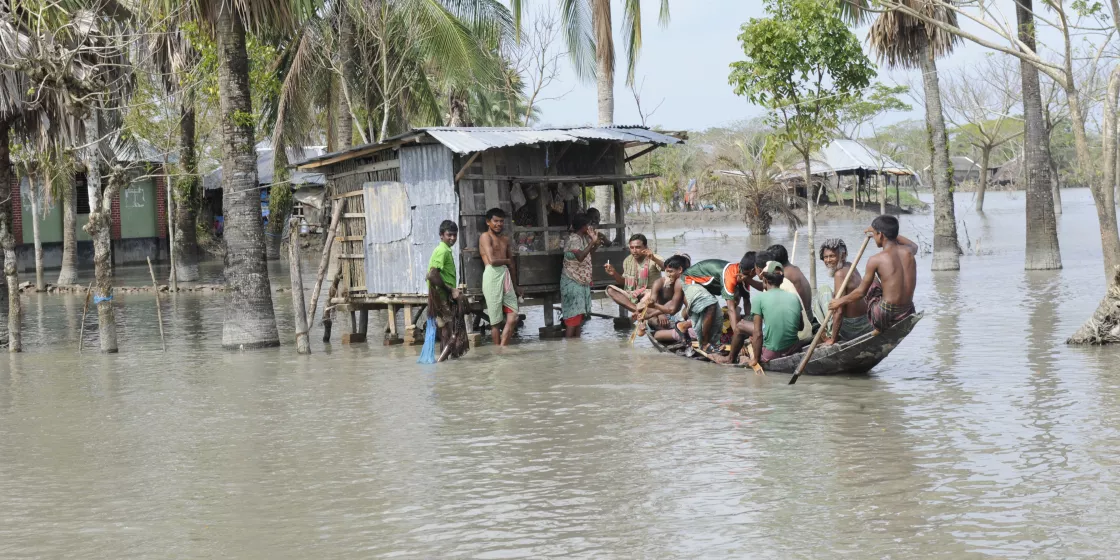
{"points": [[445, 262], [781, 311]]}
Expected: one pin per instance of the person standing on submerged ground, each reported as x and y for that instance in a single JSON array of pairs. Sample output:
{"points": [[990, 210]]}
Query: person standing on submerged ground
{"points": [[851, 322], [500, 277], [890, 279], [575, 279], [445, 302]]}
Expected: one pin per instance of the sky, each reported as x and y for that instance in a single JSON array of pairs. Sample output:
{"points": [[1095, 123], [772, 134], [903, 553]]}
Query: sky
{"points": [[685, 67]]}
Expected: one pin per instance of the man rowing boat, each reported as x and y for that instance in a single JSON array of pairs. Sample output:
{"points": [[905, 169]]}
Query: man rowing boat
{"points": [[890, 279]]}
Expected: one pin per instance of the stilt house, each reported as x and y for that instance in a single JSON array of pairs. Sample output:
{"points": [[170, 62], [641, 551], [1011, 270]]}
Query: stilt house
{"points": [[396, 193]]}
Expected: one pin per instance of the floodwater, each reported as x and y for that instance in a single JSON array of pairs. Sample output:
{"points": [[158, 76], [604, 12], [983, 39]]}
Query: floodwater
{"points": [[982, 435]]}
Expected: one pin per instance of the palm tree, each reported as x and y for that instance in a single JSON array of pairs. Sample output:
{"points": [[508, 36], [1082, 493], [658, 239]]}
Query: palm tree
{"points": [[902, 41], [250, 321], [12, 87], [593, 36], [754, 179], [1042, 248]]}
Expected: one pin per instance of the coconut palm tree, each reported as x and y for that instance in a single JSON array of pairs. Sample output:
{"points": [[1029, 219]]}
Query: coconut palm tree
{"points": [[589, 34], [13, 86], [902, 41], [250, 321]]}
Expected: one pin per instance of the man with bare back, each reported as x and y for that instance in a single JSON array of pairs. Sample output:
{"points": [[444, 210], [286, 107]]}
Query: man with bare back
{"points": [[499, 280], [890, 279]]}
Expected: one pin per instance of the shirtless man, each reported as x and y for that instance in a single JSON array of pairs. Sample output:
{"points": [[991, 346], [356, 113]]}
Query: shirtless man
{"points": [[891, 276], [666, 293], [500, 277], [851, 322], [794, 275]]}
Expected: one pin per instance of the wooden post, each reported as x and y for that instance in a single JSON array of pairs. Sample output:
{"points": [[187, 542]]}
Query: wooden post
{"points": [[324, 260], [303, 345], [159, 312], [85, 309]]}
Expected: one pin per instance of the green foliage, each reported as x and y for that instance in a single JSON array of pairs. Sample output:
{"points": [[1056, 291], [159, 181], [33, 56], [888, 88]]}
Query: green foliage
{"points": [[242, 118], [804, 64], [863, 109]]}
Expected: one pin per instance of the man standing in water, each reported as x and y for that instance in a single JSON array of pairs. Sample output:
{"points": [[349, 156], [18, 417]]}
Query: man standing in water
{"points": [[500, 277], [444, 300], [891, 276]]}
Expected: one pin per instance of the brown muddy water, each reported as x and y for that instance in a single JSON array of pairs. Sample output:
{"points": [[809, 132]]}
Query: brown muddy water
{"points": [[982, 435]]}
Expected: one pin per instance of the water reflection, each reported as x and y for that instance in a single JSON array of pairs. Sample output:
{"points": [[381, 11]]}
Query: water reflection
{"points": [[983, 434]]}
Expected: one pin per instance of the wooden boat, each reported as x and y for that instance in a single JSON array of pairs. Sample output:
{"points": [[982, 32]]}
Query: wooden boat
{"points": [[853, 356]]}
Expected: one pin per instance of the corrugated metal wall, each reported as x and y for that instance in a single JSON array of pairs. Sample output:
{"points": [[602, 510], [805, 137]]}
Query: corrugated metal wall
{"points": [[402, 224]]}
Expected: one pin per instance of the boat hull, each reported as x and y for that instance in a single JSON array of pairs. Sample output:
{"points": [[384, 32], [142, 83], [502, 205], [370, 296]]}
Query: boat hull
{"points": [[853, 356]]}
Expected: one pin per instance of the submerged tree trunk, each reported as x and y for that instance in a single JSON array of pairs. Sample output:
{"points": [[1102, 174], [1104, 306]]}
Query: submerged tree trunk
{"points": [[946, 248], [187, 197], [8, 241], [98, 228], [982, 188], [1043, 252], [36, 239], [279, 202], [810, 211], [343, 121], [68, 274], [1104, 326], [250, 321]]}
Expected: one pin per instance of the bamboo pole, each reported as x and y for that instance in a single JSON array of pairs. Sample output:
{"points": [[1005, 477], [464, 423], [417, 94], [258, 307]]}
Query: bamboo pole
{"points": [[303, 345], [828, 318], [793, 252], [159, 312], [324, 260], [85, 310]]}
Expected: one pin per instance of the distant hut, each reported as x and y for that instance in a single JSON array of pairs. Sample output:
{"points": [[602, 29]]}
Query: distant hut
{"points": [[395, 194], [851, 159], [308, 187]]}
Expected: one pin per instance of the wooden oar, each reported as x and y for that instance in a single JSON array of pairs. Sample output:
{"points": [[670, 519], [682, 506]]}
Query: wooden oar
{"points": [[641, 319], [828, 318]]}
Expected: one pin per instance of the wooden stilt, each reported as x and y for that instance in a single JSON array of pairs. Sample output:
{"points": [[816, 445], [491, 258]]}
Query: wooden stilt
{"points": [[324, 260], [303, 344], [391, 336], [159, 313]]}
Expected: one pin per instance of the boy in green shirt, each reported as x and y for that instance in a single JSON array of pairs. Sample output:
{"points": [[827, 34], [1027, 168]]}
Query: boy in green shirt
{"points": [[444, 299], [781, 311]]}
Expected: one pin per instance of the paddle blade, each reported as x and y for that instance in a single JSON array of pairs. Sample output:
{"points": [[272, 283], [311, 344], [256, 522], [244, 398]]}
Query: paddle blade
{"points": [[428, 353]]}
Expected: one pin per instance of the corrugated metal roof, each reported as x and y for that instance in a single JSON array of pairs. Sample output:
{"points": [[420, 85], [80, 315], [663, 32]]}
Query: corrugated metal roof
{"points": [[464, 140], [266, 161], [844, 155]]}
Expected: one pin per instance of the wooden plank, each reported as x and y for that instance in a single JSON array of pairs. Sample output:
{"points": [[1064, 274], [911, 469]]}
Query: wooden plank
{"points": [[370, 168], [354, 215], [467, 166], [557, 178], [352, 256], [642, 153], [490, 180], [350, 238], [358, 192]]}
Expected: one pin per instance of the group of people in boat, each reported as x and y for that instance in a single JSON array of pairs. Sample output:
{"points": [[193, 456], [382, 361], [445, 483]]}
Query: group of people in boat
{"points": [[708, 302]]}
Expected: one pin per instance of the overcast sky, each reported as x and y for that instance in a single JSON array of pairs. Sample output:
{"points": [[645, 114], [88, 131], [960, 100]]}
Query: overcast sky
{"points": [[685, 67]]}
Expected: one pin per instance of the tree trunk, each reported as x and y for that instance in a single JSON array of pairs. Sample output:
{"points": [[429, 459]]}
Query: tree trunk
{"points": [[8, 241], [187, 198], [279, 203], [36, 239], [98, 228], [344, 123], [68, 274], [1043, 252], [1056, 186], [946, 248], [811, 210], [250, 321], [299, 310], [882, 184], [982, 188], [604, 81]]}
